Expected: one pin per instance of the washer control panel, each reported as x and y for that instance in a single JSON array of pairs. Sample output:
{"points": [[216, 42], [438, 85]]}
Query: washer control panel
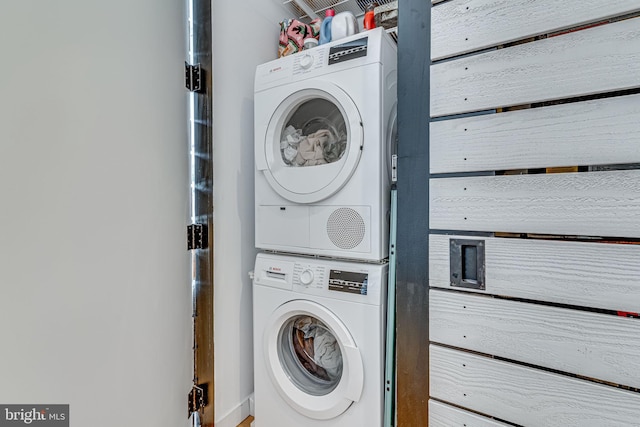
{"points": [[314, 276], [342, 280]]}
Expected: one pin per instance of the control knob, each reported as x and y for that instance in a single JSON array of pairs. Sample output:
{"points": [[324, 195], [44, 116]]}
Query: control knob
{"points": [[306, 278], [306, 61]]}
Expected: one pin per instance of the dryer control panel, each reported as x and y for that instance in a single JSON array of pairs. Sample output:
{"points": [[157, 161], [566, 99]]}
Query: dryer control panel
{"points": [[347, 51], [366, 48], [307, 61]]}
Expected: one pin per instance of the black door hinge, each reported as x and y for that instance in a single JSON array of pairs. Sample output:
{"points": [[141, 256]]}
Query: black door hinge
{"points": [[197, 398], [193, 77], [197, 236]]}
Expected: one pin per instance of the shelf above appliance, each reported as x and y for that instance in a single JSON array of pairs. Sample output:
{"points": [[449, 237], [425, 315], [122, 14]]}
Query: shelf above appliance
{"points": [[306, 10]]}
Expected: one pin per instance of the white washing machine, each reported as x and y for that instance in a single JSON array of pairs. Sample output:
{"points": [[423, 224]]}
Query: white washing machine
{"points": [[319, 341], [324, 134]]}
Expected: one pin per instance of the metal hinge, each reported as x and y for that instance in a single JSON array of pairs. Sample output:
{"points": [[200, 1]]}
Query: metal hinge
{"points": [[197, 236], [197, 398], [394, 168], [192, 75]]}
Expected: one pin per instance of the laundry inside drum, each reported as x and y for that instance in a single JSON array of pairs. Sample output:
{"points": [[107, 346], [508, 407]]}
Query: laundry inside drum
{"points": [[314, 134], [311, 355]]}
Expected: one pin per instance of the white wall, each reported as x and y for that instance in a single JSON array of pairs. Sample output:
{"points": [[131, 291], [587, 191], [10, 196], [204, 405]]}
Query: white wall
{"points": [[242, 39], [94, 282]]}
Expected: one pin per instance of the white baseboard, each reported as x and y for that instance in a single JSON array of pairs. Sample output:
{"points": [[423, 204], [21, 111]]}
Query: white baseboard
{"points": [[236, 415]]}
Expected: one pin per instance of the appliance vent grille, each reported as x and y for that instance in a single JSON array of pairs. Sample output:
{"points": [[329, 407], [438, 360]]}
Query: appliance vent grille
{"points": [[346, 228]]}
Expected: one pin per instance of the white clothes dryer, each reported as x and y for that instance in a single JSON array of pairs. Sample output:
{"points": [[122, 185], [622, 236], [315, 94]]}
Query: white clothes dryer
{"points": [[319, 337], [324, 135]]}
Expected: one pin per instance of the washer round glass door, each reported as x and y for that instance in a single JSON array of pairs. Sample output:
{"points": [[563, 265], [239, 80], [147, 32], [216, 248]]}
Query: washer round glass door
{"points": [[312, 360], [313, 142]]}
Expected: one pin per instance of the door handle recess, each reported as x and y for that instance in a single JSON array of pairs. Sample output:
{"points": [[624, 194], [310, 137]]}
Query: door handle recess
{"points": [[467, 263]]}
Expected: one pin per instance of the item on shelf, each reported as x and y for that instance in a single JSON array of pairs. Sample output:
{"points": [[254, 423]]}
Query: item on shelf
{"points": [[343, 24], [387, 15], [310, 42], [325, 28], [369, 22], [293, 34]]}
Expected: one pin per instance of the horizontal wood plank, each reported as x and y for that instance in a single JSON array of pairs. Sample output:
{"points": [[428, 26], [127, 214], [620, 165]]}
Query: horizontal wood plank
{"points": [[595, 60], [441, 415], [594, 203], [599, 132], [595, 275], [594, 345], [527, 396], [462, 26]]}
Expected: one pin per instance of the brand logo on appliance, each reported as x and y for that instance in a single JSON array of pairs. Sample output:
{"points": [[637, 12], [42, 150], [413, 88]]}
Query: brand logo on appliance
{"points": [[275, 269], [273, 70]]}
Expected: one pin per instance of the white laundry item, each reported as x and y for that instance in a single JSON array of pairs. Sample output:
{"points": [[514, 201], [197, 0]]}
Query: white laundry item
{"points": [[289, 143], [284, 141], [290, 153], [295, 138], [289, 130], [311, 148], [327, 352]]}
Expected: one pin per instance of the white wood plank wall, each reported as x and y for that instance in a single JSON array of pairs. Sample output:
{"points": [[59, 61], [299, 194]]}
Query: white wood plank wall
{"points": [[593, 345], [461, 26], [597, 275], [527, 396], [442, 415], [553, 336], [585, 204], [595, 60], [604, 131]]}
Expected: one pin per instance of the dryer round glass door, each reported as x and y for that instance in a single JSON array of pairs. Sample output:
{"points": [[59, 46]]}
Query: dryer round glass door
{"points": [[313, 142], [312, 359]]}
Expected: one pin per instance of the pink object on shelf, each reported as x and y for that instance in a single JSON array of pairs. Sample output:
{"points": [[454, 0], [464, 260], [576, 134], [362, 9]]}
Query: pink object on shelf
{"points": [[293, 33]]}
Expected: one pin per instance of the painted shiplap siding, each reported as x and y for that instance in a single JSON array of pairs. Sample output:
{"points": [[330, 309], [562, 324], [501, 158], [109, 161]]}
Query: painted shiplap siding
{"points": [[594, 345], [604, 131], [598, 203], [597, 275], [595, 60], [528, 396], [442, 415], [461, 26], [544, 342]]}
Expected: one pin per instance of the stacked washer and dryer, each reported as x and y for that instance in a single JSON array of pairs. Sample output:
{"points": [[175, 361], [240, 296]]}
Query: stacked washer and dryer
{"points": [[324, 136]]}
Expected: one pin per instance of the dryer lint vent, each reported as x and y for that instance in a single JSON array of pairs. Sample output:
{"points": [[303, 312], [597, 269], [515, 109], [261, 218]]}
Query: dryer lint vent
{"points": [[346, 228]]}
